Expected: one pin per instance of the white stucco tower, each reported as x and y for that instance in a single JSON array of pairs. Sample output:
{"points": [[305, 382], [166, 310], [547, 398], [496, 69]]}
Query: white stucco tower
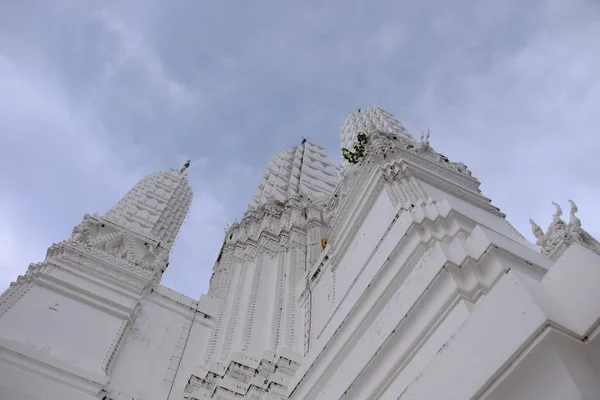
{"points": [[260, 273], [65, 321]]}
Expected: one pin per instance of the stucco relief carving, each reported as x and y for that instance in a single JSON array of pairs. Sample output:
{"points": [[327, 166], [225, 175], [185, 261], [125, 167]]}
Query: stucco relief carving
{"points": [[380, 144], [561, 235], [98, 236]]}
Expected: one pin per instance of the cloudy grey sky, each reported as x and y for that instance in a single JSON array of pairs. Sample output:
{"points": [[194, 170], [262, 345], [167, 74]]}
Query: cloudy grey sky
{"points": [[96, 94]]}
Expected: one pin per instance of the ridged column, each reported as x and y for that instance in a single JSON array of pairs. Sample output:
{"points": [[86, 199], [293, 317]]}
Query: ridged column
{"points": [[260, 259]]}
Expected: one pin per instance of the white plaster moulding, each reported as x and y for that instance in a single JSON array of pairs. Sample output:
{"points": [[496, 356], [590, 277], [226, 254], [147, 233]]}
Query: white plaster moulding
{"points": [[84, 296], [187, 311], [116, 281], [95, 278], [101, 266], [128, 231], [424, 163]]}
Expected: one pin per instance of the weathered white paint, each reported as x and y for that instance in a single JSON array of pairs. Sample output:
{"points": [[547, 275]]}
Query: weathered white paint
{"points": [[424, 291]]}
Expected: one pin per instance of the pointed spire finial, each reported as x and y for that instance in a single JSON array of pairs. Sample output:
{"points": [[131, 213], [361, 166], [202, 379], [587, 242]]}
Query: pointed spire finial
{"points": [[185, 166]]}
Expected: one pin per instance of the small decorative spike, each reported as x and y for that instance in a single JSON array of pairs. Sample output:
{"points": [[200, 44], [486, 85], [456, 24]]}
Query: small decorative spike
{"points": [[561, 235], [185, 166]]}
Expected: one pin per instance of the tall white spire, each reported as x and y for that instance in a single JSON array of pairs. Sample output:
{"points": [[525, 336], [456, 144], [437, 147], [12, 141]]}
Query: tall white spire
{"points": [[374, 117], [304, 170], [155, 207]]}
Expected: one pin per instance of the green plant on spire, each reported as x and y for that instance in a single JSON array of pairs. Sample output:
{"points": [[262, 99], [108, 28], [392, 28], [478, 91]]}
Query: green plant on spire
{"points": [[358, 149]]}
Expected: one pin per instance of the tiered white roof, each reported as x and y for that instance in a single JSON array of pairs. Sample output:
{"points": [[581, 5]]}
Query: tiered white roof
{"points": [[372, 117], [304, 170], [155, 207]]}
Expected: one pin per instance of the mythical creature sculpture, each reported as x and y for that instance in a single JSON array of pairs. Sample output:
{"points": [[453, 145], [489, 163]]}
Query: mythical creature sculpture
{"points": [[81, 232], [156, 259], [561, 235]]}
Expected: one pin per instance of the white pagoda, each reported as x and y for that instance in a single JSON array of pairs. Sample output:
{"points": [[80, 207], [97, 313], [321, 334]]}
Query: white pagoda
{"points": [[392, 277]]}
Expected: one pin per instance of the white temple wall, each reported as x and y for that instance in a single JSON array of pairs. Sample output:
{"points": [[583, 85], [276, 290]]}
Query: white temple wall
{"points": [[322, 304], [418, 299], [556, 368], [98, 286], [332, 287], [383, 330], [19, 384], [413, 364], [364, 242], [61, 327], [151, 355], [195, 348], [369, 286], [497, 347]]}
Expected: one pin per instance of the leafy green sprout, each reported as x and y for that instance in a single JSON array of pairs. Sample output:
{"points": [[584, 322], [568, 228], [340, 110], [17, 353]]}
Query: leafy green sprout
{"points": [[358, 149]]}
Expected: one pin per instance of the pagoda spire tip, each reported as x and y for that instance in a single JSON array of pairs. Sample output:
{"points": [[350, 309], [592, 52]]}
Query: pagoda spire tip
{"points": [[185, 166]]}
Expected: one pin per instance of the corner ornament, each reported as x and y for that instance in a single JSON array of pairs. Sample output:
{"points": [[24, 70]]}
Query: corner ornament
{"points": [[560, 235]]}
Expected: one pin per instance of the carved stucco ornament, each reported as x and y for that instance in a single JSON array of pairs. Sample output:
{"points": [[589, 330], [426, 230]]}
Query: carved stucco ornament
{"points": [[560, 235], [115, 242], [86, 229]]}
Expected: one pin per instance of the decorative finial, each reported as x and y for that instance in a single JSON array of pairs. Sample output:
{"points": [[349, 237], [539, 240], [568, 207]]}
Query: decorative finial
{"points": [[185, 166], [574, 221], [537, 230], [558, 209], [425, 137], [574, 208], [561, 235]]}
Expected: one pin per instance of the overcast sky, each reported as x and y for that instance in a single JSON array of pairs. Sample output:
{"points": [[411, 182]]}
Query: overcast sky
{"points": [[96, 94]]}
